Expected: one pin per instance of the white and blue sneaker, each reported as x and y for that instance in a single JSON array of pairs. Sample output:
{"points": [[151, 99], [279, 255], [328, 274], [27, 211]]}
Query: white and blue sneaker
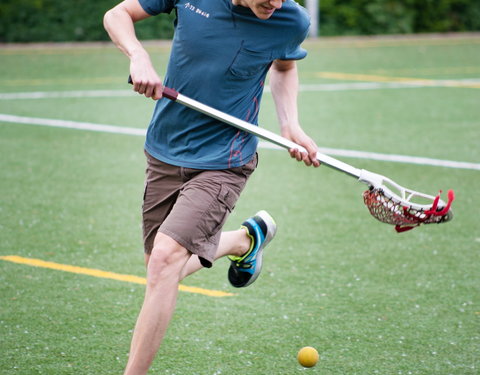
{"points": [[244, 270]]}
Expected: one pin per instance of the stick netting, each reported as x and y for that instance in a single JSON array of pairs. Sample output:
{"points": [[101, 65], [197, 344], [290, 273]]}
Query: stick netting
{"points": [[388, 211]]}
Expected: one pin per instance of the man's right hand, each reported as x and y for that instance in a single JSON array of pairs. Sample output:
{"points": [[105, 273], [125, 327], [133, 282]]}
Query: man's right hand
{"points": [[145, 79], [119, 23]]}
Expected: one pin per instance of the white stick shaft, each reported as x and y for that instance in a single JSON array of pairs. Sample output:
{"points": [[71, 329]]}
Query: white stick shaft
{"points": [[264, 134]]}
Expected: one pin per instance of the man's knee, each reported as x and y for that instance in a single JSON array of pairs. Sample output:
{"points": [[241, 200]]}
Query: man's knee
{"points": [[166, 261]]}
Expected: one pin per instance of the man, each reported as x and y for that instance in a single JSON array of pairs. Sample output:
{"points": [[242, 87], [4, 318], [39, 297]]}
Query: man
{"points": [[197, 166]]}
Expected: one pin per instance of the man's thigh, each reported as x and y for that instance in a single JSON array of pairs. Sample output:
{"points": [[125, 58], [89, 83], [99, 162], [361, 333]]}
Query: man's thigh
{"points": [[191, 206]]}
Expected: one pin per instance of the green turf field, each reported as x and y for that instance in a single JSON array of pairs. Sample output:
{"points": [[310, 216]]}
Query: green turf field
{"points": [[370, 300]]}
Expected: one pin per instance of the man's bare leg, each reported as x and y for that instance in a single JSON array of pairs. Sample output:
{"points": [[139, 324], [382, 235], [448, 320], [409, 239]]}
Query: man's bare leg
{"points": [[235, 242], [164, 270], [162, 290]]}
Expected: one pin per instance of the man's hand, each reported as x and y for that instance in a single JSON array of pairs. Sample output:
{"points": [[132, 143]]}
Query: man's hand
{"points": [[144, 77], [119, 22], [284, 86], [298, 136]]}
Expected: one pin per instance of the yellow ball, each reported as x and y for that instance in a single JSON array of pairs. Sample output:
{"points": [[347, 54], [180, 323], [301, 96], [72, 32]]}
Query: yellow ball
{"points": [[307, 356]]}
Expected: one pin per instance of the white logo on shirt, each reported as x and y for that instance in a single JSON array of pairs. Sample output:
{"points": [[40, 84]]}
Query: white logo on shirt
{"points": [[196, 10]]}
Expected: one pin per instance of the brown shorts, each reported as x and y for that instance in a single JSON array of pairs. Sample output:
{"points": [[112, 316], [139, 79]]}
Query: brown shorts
{"points": [[190, 205]]}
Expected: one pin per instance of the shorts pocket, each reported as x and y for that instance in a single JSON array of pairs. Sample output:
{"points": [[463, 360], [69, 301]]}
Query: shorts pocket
{"points": [[228, 197], [217, 213], [246, 170], [250, 167]]}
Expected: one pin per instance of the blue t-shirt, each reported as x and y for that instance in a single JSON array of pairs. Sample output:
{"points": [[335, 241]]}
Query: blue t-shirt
{"points": [[220, 56]]}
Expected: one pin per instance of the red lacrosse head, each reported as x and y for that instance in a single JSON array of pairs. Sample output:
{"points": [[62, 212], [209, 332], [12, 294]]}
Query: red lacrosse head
{"points": [[403, 217]]}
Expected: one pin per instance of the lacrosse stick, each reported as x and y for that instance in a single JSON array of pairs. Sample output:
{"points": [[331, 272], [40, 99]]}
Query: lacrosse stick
{"points": [[386, 200]]}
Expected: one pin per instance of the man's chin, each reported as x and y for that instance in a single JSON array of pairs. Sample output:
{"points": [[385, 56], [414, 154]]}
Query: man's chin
{"points": [[264, 15]]}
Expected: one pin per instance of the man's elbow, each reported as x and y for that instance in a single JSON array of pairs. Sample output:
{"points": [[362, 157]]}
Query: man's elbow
{"points": [[126, 11], [284, 65], [112, 16], [108, 17]]}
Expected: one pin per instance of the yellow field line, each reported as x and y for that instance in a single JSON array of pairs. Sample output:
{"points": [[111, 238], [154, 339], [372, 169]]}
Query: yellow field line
{"points": [[432, 70], [378, 78], [373, 42], [79, 48], [104, 274]]}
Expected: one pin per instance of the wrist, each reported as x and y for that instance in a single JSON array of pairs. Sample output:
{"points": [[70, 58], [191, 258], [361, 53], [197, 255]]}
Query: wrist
{"points": [[136, 53], [289, 128]]}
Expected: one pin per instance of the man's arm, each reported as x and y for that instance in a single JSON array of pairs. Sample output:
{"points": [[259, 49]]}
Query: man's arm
{"points": [[118, 22], [284, 86]]}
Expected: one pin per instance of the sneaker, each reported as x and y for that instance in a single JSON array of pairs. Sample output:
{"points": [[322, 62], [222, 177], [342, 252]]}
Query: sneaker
{"points": [[244, 270]]}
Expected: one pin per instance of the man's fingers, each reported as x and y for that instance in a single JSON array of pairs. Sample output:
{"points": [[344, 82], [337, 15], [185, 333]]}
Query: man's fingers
{"points": [[306, 158], [157, 92], [296, 154], [150, 89], [314, 160], [139, 86]]}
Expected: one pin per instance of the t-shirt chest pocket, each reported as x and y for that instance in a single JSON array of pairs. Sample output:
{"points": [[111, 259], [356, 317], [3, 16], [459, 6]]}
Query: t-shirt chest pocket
{"points": [[248, 63]]}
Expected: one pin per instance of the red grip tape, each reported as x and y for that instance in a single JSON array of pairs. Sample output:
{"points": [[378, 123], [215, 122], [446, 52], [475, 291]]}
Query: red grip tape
{"points": [[170, 93], [167, 92]]}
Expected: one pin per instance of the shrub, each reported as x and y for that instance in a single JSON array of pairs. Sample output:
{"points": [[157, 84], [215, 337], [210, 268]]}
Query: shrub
{"points": [[81, 20]]}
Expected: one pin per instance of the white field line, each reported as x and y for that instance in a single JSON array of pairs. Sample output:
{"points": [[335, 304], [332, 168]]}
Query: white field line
{"points": [[303, 88], [414, 84], [66, 94], [388, 157], [71, 125], [329, 151]]}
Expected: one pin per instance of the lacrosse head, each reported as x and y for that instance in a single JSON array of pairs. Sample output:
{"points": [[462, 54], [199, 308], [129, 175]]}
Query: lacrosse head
{"points": [[393, 204]]}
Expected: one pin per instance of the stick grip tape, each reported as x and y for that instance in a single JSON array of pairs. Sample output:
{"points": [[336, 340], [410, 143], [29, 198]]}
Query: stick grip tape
{"points": [[167, 92], [170, 93]]}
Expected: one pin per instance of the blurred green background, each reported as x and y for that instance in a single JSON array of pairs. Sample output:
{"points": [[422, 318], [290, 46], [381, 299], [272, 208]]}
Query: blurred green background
{"points": [[81, 20]]}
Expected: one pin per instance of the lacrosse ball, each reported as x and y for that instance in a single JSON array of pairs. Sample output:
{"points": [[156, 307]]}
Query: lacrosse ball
{"points": [[307, 356]]}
